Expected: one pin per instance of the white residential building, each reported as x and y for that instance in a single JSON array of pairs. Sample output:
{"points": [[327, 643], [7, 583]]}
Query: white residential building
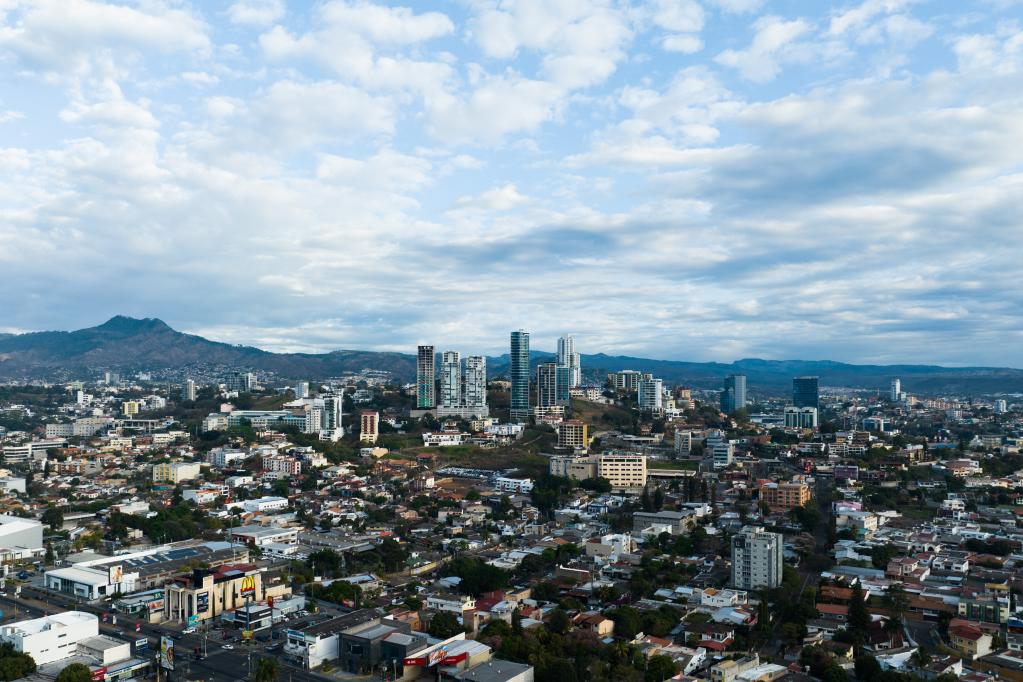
{"points": [[51, 638], [756, 559]]}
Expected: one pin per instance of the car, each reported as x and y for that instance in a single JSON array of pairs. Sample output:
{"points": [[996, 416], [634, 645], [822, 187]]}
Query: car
{"points": [[229, 647], [188, 631], [22, 575]]}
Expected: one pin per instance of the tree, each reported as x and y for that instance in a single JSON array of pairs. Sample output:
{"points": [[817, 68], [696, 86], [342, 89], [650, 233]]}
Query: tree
{"points": [[76, 672], [53, 517], [559, 621], [444, 625], [896, 601], [867, 668], [267, 670], [859, 617], [660, 668], [49, 555]]}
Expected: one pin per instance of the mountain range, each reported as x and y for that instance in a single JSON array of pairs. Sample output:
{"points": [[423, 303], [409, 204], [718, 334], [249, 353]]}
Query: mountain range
{"points": [[128, 344]]}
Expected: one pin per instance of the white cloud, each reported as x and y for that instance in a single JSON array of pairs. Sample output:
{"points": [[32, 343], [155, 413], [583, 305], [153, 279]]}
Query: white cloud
{"points": [[772, 43], [1000, 52], [256, 12], [62, 35], [503, 198], [737, 6], [301, 114]]}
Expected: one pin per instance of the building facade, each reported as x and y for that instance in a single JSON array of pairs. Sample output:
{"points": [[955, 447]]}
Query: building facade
{"points": [[426, 360], [369, 426], [519, 371], [756, 559], [733, 395], [806, 392]]}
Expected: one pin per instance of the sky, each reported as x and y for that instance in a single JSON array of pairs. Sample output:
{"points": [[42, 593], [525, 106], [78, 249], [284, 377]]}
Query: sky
{"points": [[677, 179]]}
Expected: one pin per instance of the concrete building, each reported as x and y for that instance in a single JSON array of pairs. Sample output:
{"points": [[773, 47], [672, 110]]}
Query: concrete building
{"points": [[567, 357], [552, 385], [626, 380], [51, 638], [801, 417], [756, 559], [206, 594], [574, 434], [651, 395], [624, 471], [175, 472], [265, 535], [895, 395], [475, 378], [369, 426], [190, 391], [784, 497], [426, 361], [450, 381], [683, 442]]}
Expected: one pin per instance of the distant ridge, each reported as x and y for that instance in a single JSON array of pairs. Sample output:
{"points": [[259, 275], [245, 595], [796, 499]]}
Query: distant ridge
{"points": [[131, 344]]}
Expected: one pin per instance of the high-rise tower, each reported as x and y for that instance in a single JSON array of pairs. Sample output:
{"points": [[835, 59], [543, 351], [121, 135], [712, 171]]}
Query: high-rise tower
{"points": [[425, 378], [519, 374]]}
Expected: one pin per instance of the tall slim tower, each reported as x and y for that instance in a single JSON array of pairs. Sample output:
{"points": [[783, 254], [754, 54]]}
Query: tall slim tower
{"points": [[733, 397], [519, 374], [450, 380], [551, 385], [567, 357], [896, 390], [425, 378], [475, 382]]}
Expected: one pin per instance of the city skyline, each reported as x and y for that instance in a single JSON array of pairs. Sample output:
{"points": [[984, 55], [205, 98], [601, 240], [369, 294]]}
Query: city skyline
{"points": [[703, 179]]}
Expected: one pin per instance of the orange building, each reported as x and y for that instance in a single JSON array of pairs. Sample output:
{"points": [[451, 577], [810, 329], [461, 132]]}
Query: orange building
{"points": [[783, 497]]}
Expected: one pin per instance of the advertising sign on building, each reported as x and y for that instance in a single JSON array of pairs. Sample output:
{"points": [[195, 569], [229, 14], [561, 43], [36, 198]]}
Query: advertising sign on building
{"points": [[202, 602], [115, 574], [248, 585]]}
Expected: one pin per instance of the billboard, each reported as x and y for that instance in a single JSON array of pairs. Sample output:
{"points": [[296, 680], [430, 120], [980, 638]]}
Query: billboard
{"points": [[99, 674], [141, 644], [156, 605], [166, 652], [115, 574], [248, 585], [202, 602], [436, 656], [193, 621]]}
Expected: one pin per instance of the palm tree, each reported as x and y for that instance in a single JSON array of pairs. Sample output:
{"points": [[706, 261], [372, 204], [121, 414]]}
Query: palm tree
{"points": [[267, 670]]}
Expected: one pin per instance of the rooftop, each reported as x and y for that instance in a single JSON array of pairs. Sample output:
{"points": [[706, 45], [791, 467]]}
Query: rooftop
{"points": [[56, 621]]}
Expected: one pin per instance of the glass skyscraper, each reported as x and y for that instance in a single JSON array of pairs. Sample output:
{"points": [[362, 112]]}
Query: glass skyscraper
{"points": [[425, 378], [519, 374], [733, 397], [805, 392]]}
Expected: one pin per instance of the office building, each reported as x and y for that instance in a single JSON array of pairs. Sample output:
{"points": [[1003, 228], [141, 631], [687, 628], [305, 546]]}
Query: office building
{"points": [[733, 397], [52, 638], [801, 417], [241, 382], [720, 450], [369, 426], [20, 538], [805, 392], [175, 472], [567, 357], [756, 559], [1001, 406], [552, 385], [450, 381], [190, 391], [574, 434], [425, 383], [651, 394], [519, 374], [896, 391], [333, 414], [302, 389], [624, 471], [683, 442], [475, 379]]}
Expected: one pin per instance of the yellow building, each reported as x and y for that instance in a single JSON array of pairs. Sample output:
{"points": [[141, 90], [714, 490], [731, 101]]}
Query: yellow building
{"points": [[175, 472], [783, 497], [130, 408], [574, 434], [205, 594], [369, 426]]}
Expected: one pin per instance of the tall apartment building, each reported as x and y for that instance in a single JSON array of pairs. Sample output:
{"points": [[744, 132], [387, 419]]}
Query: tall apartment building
{"points": [[573, 433], [369, 426], [333, 414], [552, 385], [475, 380], [425, 379], [733, 395], [650, 394], [806, 392], [189, 392], [242, 382], [756, 559], [450, 380], [784, 497], [720, 450], [896, 391], [567, 357], [627, 379], [683, 441], [302, 389], [519, 371]]}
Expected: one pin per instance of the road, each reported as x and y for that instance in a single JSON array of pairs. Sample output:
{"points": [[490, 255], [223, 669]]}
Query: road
{"points": [[219, 664]]}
